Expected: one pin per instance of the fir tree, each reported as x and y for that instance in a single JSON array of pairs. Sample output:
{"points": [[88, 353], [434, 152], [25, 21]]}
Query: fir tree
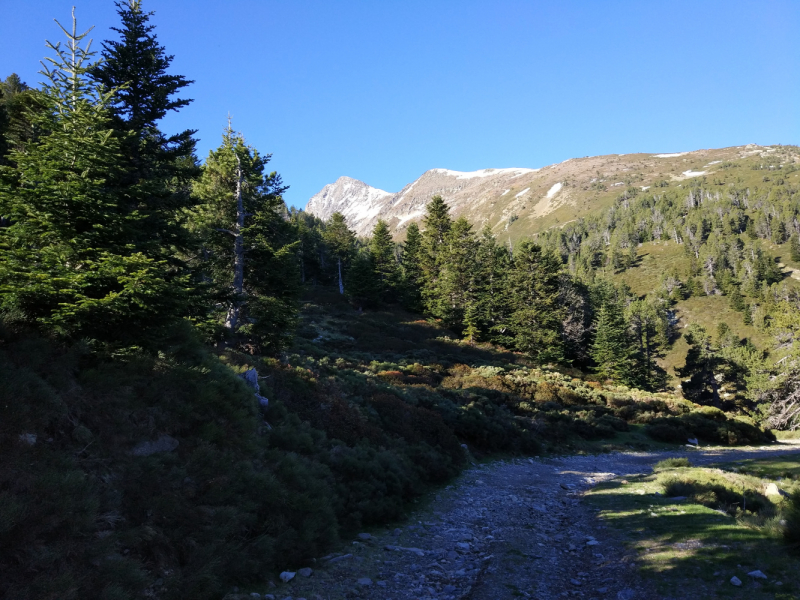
{"points": [[362, 283], [437, 227], [411, 264], [649, 327], [249, 246], [611, 349], [491, 309], [703, 364], [455, 290], [341, 243], [68, 263], [384, 261], [794, 247], [536, 316], [157, 169]]}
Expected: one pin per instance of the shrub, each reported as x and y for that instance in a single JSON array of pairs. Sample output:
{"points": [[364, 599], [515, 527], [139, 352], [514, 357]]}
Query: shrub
{"points": [[672, 463], [791, 528]]}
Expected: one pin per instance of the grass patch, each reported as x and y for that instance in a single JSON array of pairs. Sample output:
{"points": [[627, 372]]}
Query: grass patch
{"points": [[689, 529], [672, 463]]}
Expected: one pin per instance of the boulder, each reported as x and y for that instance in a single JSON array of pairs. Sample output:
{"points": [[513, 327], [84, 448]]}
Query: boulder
{"points": [[736, 581], [756, 575], [774, 490], [287, 576], [305, 572]]}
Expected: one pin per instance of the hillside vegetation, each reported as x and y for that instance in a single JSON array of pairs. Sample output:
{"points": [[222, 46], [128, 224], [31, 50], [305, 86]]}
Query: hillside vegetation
{"points": [[201, 387]]}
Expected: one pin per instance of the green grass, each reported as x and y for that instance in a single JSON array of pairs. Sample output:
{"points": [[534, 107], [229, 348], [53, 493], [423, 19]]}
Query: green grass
{"points": [[701, 542]]}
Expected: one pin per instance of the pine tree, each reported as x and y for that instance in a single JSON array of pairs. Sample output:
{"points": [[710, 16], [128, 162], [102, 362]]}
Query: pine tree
{"points": [[649, 327], [492, 305], [362, 282], [68, 263], [341, 244], [158, 169], [611, 349], [384, 261], [249, 247], [411, 264], [456, 289], [794, 247], [533, 294], [437, 227], [703, 364], [18, 104]]}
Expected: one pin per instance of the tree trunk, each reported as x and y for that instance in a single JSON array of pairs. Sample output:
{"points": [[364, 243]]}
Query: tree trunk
{"points": [[341, 283], [232, 320]]}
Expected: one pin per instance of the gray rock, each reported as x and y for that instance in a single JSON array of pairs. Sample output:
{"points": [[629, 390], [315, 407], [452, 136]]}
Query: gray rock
{"points": [[449, 589], [774, 490], [164, 443], [736, 581], [397, 532], [255, 595], [567, 486], [756, 575], [626, 594], [463, 546], [365, 581], [602, 590], [592, 543], [305, 572], [287, 576], [364, 536], [575, 582]]}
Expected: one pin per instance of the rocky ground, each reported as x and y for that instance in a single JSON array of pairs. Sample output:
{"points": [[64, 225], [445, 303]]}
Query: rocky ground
{"points": [[513, 529]]}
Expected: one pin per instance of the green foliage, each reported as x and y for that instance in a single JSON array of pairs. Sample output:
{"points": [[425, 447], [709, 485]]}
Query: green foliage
{"points": [[535, 312], [411, 264], [672, 463], [384, 262], [69, 261], [255, 234]]}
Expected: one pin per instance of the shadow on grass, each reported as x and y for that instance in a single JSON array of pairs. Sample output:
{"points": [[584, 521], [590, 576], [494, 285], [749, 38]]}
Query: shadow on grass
{"points": [[687, 546]]}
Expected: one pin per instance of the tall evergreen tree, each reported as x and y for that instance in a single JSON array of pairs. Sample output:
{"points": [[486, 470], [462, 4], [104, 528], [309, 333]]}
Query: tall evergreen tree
{"points": [[67, 260], [249, 246], [649, 328], [456, 291], [611, 349], [157, 168], [434, 237], [492, 304], [341, 243], [411, 263], [362, 282], [703, 364], [384, 261], [533, 294]]}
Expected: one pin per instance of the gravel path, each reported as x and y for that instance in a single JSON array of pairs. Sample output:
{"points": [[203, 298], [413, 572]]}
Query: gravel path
{"points": [[513, 529]]}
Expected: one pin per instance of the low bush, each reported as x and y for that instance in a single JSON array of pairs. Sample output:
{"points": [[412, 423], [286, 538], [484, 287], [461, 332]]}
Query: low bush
{"points": [[672, 463]]}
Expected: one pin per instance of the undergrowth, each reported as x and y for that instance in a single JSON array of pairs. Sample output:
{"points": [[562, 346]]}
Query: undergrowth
{"points": [[366, 412]]}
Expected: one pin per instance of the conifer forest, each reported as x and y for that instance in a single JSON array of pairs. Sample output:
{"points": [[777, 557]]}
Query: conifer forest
{"points": [[201, 387]]}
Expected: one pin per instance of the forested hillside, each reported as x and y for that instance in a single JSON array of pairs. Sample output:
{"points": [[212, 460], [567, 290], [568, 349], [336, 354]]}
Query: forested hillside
{"points": [[202, 387]]}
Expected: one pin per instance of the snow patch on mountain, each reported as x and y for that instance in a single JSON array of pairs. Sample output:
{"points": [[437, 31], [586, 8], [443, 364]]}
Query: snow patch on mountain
{"points": [[554, 190], [525, 191], [484, 172], [673, 155]]}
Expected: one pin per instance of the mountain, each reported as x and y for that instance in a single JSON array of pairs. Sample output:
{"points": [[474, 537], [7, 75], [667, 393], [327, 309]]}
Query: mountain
{"points": [[520, 201]]}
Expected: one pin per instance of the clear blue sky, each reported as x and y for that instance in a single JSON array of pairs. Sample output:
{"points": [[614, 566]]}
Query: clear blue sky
{"points": [[383, 90]]}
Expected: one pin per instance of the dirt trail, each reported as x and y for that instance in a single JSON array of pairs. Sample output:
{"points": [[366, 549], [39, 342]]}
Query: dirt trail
{"points": [[513, 529]]}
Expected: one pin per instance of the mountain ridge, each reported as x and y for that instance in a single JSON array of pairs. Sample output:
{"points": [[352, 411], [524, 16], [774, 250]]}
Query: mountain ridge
{"points": [[520, 201]]}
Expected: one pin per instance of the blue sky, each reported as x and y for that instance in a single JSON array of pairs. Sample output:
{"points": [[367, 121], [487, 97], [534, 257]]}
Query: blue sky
{"points": [[385, 90]]}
